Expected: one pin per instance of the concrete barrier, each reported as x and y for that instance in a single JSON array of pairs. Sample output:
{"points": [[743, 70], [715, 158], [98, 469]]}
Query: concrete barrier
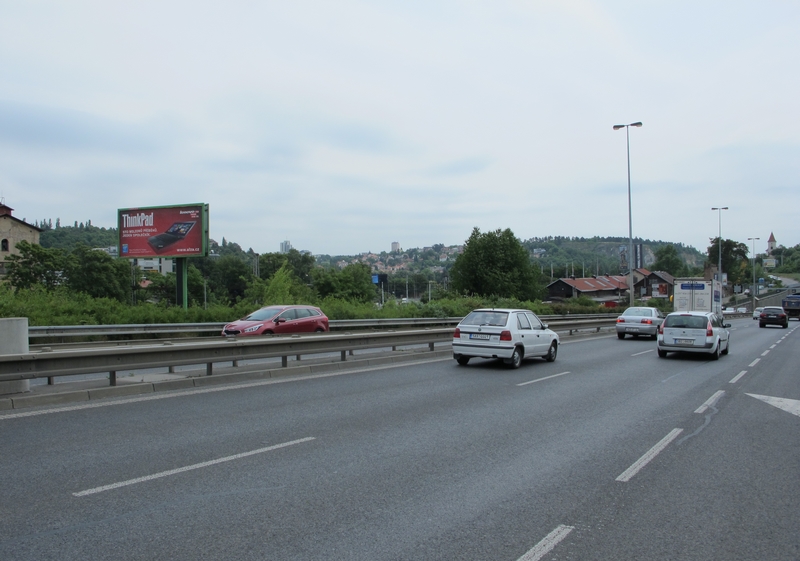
{"points": [[14, 340]]}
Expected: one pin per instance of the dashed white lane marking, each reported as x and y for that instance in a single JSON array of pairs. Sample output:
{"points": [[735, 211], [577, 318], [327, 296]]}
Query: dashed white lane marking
{"points": [[547, 544], [542, 379], [737, 377], [188, 468], [710, 402], [644, 352], [765, 353], [652, 453], [756, 361], [773, 346]]}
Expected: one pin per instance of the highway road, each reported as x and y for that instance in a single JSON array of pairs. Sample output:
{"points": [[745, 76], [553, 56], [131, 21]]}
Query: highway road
{"points": [[607, 453]]}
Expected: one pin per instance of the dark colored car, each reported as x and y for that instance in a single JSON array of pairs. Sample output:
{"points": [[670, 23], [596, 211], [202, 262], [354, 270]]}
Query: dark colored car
{"points": [[773, 315], [274, 320]]}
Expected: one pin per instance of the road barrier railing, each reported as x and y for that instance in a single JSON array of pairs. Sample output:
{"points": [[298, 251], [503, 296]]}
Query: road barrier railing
{"points": [[72, 331], [48, 364]]}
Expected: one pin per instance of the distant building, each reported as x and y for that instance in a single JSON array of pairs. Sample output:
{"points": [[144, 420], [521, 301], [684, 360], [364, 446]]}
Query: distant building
{"points": [[395, 247], [155, 265], [772, 243], [286, 246], [12, 231]]}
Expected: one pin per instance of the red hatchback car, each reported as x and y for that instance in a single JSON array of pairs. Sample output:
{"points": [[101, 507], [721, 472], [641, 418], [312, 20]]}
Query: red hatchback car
{"points": [[273, 320]]}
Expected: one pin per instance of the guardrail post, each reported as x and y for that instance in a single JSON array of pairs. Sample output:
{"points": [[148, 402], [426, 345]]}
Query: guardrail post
{"points": [[112, 378], [284, 361], [344, 356], [209, 368], [430, 347], [14, 340]]}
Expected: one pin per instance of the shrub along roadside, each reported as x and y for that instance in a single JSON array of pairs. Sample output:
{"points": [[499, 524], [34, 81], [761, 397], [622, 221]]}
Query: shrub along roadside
{"points": [[64, 307]]}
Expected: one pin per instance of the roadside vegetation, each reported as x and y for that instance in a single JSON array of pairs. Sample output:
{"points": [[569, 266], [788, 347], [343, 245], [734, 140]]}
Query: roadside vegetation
{"points": [[65, 281]]}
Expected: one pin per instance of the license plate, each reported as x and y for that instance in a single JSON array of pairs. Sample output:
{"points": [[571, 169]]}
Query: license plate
{"points": [[483, 336], [632, 329], [684, 341]]}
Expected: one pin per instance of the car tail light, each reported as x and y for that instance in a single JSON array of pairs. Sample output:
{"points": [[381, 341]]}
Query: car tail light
{"points": [[661, 328], [620, 320], [648, 321], [763, 315], [505, 335], [709, 330], [457, 334], [781, 316]]}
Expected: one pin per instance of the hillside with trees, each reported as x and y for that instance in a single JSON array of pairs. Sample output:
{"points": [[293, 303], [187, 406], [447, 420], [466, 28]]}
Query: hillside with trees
{"points": [[64, 280]]}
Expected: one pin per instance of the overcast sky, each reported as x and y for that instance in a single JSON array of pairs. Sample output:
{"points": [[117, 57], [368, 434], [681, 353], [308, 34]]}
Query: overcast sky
{"points": [[344, 126]]}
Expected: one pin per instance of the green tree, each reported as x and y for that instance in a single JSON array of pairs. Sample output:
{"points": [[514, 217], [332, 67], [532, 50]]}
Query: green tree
{"points": [[667, 260], [97, 274], [354, 283], [496, 263], [36, 265], [734, 258]]}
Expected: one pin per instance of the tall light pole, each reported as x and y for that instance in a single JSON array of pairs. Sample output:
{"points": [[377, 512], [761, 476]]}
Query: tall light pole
{"points": [[753, 295], [719, 237], [630, 214]]}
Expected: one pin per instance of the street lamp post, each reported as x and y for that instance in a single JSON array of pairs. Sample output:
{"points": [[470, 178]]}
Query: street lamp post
{"points": [[753, 295], [719, 237], [630, 214]]}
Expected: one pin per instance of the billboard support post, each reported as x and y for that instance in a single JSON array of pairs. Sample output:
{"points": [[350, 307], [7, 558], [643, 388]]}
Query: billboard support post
{"points": [[182, 282]]}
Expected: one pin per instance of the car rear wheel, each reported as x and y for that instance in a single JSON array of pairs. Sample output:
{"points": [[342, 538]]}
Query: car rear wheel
{"points": [[620, 335], [662, 354], [715, 355], [552, 352], [761, 325], [727, 347], [462, 360], [516, 358], [319, 330]]}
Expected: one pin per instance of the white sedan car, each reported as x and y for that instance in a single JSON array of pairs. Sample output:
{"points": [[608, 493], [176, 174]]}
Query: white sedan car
{"points": [[693, 332], [507, 334]]}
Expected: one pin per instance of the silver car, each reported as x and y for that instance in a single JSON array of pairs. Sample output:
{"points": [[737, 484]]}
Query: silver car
{"points": [[637, 321], [694, 332], [507, 334]]}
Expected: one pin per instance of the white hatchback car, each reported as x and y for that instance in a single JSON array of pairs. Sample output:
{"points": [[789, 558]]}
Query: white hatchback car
{"points": [[693, 332], [504, 333]]}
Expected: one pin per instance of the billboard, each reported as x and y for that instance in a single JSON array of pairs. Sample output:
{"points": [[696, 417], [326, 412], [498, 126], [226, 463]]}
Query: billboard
{"points": [[770, 263], [163, 231]]}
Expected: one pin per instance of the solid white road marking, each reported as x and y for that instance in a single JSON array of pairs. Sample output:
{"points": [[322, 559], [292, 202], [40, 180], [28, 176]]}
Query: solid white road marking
{"points": [[756, 361], [644, 352], [188, 468], [736, 378], [710, 402], [652, 453], [789, 405], [547, 544], [542, 379]]}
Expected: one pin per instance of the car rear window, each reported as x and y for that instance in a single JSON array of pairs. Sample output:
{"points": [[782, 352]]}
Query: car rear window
{"points": [[497, 319], [643, 312], [687, 322]]}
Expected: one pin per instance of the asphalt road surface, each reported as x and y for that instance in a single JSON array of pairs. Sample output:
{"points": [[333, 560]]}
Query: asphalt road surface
{"points": [[608, 453]]}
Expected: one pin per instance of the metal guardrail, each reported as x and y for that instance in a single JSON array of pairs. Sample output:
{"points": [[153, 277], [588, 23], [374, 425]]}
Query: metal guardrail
{"points": [[46, 363], [64, 331]]}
